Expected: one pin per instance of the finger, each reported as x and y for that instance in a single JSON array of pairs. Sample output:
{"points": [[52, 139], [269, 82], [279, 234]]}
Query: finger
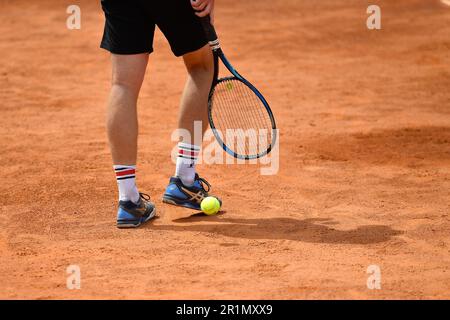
{"points": [[201, 7], [205, 11], [198, 4]]}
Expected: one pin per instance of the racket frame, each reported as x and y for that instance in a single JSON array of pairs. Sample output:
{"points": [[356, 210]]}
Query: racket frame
{"points": [[218, 54]]}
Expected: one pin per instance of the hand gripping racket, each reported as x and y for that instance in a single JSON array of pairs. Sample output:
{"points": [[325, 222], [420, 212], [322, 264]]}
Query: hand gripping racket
{"points": [[239, 116]]}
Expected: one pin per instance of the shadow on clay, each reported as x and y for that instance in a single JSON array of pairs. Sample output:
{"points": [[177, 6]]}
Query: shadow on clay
{"points": [[306, 230]]}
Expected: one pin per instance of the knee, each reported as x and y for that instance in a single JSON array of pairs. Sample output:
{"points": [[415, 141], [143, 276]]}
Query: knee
{"points": [[200, 61], [125, 85], [124, 91], [128, 72], [205, 66]]}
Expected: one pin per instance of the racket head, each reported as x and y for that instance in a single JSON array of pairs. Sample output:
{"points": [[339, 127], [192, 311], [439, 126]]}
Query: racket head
{"points": [[237, 110]]}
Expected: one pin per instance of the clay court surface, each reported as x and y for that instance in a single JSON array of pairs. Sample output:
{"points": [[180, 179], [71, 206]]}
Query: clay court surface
{"points": [[364, 173]]}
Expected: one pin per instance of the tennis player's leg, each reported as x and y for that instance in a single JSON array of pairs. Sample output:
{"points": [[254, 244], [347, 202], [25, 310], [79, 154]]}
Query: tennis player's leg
{"points": [[194, 100], [187, 39], [194, 110], [128, 36], [128, 73], [186, 188], [122, 127]]}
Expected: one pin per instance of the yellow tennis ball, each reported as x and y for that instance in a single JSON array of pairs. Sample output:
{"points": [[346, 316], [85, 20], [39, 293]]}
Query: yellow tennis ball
{"points": [[210, 206]]}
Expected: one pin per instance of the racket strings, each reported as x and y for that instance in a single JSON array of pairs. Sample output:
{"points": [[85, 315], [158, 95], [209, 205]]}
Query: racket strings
{"points": [[251, 114], [241, 118]]}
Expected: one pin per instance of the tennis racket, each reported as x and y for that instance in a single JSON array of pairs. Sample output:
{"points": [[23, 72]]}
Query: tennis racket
{"points": [[239, 115]]}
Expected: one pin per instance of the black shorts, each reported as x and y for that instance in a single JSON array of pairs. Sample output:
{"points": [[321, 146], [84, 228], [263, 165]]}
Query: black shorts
{"points": [[130, 26]]}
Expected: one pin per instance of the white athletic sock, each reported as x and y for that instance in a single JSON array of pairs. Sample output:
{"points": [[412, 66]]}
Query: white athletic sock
{"points": [[186, 161], [126, 180]]}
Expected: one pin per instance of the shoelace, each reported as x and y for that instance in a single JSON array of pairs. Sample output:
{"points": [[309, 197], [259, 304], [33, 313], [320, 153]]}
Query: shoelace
{"points": [[144, 196], [203, 181]]}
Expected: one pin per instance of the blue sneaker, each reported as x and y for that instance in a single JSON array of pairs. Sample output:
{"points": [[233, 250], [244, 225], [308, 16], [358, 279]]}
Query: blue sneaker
{"points": [[131, 215], [187, 196]]}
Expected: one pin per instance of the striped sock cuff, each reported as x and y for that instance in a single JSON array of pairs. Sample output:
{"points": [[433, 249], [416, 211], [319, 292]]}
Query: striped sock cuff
{"points": [[125, 172], [188, 151]]}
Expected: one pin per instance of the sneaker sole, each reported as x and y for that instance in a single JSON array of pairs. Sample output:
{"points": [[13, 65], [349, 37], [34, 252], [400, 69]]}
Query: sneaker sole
{"points": [[174, 202], [138, 224]]}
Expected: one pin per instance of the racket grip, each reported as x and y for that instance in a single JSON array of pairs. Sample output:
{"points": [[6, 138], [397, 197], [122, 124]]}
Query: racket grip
{"points": [[210, 32]]}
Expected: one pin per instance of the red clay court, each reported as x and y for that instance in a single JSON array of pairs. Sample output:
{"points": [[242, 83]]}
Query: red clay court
{"points": [[364, 179]]}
